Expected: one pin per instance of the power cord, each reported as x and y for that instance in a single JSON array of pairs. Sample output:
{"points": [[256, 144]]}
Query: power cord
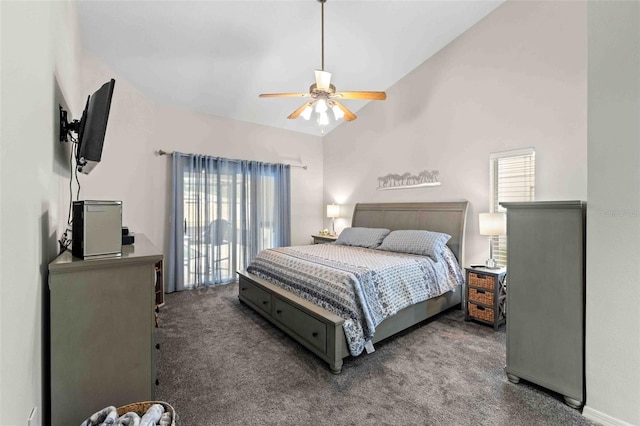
{"points": [[65, 239]]}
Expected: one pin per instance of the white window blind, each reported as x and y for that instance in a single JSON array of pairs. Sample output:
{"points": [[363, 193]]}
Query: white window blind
{"points": [[513, 176]]}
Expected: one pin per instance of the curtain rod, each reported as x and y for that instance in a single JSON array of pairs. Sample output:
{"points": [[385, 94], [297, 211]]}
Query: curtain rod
{"points": [[162, 152]]}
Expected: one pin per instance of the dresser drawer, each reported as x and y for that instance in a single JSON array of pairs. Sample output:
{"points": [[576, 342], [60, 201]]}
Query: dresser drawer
{"points": [[304, 325], [484, 296], [256, 295], [482, 281]]}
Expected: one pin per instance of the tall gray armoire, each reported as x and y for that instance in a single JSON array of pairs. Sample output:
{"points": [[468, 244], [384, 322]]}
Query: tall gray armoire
{"points": [[546, 296]]}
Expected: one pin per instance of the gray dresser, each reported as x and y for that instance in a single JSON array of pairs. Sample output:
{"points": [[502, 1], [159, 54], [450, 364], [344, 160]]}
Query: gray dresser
{"points": [[102, 331], [546, 296]]}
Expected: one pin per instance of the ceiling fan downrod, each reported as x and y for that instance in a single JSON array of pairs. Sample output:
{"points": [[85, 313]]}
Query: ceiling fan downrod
{"points": [[322, 2]]}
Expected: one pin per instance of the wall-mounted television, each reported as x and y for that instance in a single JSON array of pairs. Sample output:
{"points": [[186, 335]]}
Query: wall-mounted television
{"points": [[91, 128]]}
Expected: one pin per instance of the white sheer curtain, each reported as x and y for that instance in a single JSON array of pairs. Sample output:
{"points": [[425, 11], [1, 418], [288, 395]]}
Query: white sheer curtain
{"points": [[223, 213]]}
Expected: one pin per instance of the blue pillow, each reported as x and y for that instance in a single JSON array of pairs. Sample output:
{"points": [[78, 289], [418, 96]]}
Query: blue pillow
{"points": [[362, 237], [425, 243]]}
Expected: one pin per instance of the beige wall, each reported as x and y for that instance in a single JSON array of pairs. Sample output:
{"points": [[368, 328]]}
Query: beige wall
{"points": [[516, 79], [39, 61], [131, 172], [613, 215]]}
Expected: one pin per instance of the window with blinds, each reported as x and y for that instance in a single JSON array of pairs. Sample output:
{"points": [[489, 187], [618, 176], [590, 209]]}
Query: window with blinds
{"points": [[513, 176]]}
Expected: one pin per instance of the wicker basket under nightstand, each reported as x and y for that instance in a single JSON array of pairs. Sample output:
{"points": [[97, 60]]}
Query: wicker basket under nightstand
{"points": [[486, 296]]}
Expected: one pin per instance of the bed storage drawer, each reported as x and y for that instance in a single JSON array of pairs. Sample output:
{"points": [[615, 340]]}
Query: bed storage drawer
{"points": [[304, 325], [260, 298]]}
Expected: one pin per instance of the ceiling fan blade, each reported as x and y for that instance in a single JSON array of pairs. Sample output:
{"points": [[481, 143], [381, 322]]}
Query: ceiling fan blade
{"points": [[284, 95], [295, 114], [374, 96], [348, 115]]}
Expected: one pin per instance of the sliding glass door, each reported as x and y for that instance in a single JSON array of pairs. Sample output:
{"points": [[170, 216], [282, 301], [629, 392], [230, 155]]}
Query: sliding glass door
{"points": [[228, 210]]}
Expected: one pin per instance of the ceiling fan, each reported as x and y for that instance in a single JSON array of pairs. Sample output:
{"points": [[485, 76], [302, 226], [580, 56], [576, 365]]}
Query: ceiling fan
{"points": [[324, 96]]}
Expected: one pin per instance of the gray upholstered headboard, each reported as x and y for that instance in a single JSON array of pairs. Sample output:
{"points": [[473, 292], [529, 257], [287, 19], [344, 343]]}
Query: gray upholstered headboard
{"points": [[447, 217]]}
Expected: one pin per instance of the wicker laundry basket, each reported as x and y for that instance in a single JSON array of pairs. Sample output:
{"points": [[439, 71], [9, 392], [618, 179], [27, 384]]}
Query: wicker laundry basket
{"points": [[141, 407]]}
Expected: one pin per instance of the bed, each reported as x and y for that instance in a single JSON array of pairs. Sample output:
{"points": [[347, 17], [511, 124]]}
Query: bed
{"points": [[322, 331]]}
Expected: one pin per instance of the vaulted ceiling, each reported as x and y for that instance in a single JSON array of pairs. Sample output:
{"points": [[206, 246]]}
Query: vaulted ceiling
{"points": [[215, 56]]}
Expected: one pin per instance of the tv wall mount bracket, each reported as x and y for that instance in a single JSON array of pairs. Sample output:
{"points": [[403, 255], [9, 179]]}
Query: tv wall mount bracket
{"points": [[65, 127]]}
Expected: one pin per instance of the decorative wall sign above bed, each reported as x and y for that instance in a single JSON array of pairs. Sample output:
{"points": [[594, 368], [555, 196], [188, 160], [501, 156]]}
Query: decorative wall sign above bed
{"points": [[408, 180]]}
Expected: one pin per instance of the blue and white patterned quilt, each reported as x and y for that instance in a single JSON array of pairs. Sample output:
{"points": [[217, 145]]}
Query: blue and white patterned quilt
{"points": [[363, 286]]}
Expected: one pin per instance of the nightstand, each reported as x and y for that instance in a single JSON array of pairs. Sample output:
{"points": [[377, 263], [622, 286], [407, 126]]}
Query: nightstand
{"points": [[486, 296], [321, 239]]}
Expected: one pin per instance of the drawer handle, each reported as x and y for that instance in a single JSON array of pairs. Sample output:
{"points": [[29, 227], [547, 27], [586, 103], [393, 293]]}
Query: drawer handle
{"points": [[243, 288], [314, 334], [480, 308], [278, 311], [480, 291], [264, 302]]}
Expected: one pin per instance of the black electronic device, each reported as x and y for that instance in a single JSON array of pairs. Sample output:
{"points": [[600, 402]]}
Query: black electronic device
{"points": [[125, 230], [128, 239], [91, 128]]}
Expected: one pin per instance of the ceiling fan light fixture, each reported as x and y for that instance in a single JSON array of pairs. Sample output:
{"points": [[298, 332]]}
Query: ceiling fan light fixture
{"points": [[321, 106], [306, 114], [323, 118], [323, 80], [337, 112]]}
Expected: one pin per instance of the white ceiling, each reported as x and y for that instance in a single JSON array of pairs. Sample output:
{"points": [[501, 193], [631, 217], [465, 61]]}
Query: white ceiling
{"points": [[215, 57]]}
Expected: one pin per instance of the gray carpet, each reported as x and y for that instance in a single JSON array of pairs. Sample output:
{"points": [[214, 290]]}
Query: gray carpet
{"points": [[220, 363]]}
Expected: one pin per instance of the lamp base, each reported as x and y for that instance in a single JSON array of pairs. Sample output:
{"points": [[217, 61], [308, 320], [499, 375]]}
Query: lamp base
{"points": [[491, 264]]}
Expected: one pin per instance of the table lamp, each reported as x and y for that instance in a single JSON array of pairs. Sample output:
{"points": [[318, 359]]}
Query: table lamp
{"points": [[333, 211], [492, 225]]}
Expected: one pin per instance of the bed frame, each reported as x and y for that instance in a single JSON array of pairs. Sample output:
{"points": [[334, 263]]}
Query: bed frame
{"points": [[321, 331]]}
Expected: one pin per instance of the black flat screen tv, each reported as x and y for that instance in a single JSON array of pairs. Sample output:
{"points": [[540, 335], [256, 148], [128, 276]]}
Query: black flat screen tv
{"points": [[93, 127]]}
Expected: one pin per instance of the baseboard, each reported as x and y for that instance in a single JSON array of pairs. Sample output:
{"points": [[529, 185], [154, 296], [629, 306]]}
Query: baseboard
{"points": [[602, 418]]}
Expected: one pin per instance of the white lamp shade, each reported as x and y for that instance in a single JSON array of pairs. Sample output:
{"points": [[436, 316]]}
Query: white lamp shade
{"points": [[321, 106], [306, 113], [337, 112], [323, 118], [493, 223], [333, 210], [323, 80]]}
